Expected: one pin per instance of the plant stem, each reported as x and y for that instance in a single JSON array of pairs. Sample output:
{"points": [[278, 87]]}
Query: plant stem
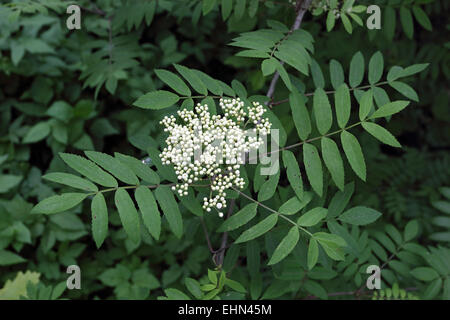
{"points": [[273, 211], [223, 245], [301, 7], [309, 140], [331, 92], [208, 240]]}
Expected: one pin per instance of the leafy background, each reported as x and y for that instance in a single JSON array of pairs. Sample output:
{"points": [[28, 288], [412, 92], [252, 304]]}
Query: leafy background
{"points": [[71, 91]]}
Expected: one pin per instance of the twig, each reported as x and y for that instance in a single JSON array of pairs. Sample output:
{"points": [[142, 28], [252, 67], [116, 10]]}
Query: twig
{"points": [[274, 103], [208, 240], [221, 252], [96, 10], [302, 6], [273, 211]]}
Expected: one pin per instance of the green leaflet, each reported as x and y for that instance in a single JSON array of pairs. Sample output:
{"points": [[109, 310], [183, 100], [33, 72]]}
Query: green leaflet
{"points": [[356, 73], [209, 101], [175, 294], [292, 206], [415, 68], [293, 54], [141, 170], [357, 19], [336, 74], [300, 114], [239, 88], [156, 100], [433, 289], [394, 234], [411, 230], [322, 111], [253, 254], [328, 237], [331, 20], [253, 54], [99, 219], [37, 132], [317, 75], [71, 181], [284, 76], [239, 9], [17, 52], [8, 181], [60, 110], [89, 169], [59, 203], [269, 187], [313, 167], [212, 276], [173, 81], [253, 8], [313, 253], [268, 66], [227, 90], [8, 258], [342, 104], [380, 96], [149, 209], [405, 90], [114, 166], [187, 104], [170, 209], [194, 287], [227, 7], [424, 274], [394, 73], [240, 218], [211, 84], [340, 200], [354, 154], [381, 134], [286, 246], [208, 5], [332, 244], [231, 257], [407, 21], [422, 17], [258, 229], [365, 104], [390, 109], [192, 78], [346, 22], [128, 214], [333, 161], [236, 286], [293, 173], [312, 217], [376, 66], [359, 216]]}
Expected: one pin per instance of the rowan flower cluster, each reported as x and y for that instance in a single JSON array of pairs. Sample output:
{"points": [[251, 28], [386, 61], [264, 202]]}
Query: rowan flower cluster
{"points": [[213, 147]]}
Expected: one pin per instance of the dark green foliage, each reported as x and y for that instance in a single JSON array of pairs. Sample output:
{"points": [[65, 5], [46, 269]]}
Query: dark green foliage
{"points": [[364, 168]]}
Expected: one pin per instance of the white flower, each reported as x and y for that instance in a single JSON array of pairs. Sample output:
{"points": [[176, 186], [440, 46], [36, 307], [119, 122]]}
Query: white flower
{"points": [[206, 146]]}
